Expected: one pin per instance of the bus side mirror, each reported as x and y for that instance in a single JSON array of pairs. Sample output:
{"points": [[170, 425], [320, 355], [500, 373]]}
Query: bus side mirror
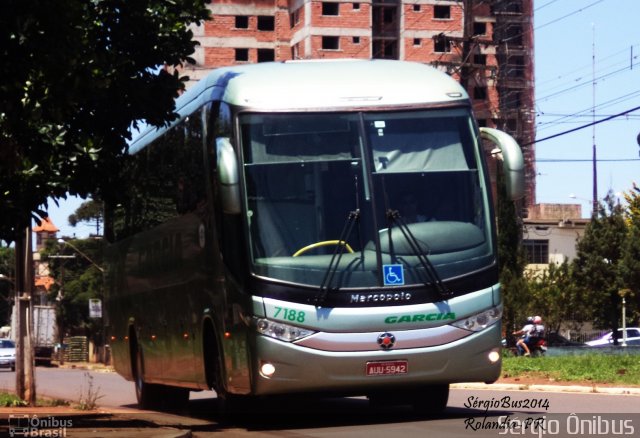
{"points": [[228, 176], [510, 154]]}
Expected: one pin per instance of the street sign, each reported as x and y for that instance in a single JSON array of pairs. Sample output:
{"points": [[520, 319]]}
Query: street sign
{"points": [[95, 308]]}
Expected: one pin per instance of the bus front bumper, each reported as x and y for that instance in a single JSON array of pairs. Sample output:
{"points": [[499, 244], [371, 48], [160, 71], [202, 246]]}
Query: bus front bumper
{"points": [[296, 369]]}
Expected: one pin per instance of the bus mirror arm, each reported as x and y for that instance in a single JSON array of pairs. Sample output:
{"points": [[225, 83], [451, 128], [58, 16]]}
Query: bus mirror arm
{"points": [[228, 176], [510, 154]]}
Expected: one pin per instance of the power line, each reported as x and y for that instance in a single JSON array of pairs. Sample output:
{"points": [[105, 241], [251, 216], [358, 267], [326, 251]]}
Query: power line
{"points": [[578, 160], [583, 126], [606, 104], [568, 15]]}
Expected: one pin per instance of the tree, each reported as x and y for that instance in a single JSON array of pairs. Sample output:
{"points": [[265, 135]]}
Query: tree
{"points": [[7, 259], [511, 260], [76, 76], [553, 295], [596, 267], [630, 263], [77, 280], [88, 211]]}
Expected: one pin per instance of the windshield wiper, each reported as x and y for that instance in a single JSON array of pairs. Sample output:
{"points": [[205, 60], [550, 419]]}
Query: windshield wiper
{"points": [[430, 270], [352, 217]]}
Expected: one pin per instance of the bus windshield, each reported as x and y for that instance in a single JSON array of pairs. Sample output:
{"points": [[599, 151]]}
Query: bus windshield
{"points": [[364, 197]]}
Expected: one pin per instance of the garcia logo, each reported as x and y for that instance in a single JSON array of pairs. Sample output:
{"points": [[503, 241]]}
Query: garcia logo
{"points": [[418, 317]]}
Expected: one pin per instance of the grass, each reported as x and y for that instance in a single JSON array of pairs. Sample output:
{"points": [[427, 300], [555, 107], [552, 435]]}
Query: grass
{"points": [[10, 400], [594, 368]]}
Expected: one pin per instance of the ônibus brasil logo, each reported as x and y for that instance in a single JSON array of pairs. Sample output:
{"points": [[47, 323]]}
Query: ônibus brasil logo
{"points": [[25, 425]]}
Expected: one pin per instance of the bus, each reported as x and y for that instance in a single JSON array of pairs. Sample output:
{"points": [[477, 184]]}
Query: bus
{"points": [[310, 228]]}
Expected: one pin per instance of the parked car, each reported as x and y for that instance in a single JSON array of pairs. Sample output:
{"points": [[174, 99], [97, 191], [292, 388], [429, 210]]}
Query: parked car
{"points": [[633, 338], [7, 354], [557, 340]]}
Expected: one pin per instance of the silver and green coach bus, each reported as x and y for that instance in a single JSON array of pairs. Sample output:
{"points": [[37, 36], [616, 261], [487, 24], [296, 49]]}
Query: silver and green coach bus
{"points": [[318, 227]]}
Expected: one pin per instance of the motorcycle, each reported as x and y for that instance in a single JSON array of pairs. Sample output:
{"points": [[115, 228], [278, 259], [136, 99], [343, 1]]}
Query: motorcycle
{"points": [[537, 348]]}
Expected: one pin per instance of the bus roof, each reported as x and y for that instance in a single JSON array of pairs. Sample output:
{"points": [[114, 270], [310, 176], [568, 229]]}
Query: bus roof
{"points": [[319, 85], [333, 83]]}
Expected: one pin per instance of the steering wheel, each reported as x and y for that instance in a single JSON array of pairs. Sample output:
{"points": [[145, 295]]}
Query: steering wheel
{"points": [[323, 243]]}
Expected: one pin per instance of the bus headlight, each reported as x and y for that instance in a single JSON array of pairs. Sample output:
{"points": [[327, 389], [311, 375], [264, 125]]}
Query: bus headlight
{"points": [[480, 321], [281, 331]]}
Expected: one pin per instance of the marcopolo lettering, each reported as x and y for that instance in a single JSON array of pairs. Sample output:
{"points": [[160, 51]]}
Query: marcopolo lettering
{"points": [[380, 297], [418, 317]]}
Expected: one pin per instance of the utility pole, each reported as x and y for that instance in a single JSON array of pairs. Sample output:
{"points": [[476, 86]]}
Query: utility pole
{"points": [[467, 34], [25, 377], [59, 298], [593, 113]]}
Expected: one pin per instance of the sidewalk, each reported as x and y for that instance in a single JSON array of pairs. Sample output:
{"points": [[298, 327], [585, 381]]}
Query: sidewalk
{"points": [[593, 389]]}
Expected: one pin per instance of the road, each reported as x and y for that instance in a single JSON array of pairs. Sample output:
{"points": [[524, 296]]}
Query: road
{"points": [[468, 411]]}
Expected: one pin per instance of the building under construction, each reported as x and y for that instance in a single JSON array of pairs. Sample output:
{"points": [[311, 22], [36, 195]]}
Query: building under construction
{"points": [[486, 44]]}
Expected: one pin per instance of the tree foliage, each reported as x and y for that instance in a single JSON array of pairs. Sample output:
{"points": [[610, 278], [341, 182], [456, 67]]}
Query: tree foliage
{"points": [[7, 259], [597, 265], [630, 263], [511, 259], [554, 295], [89, 211], [76, 281], [76, 75]]}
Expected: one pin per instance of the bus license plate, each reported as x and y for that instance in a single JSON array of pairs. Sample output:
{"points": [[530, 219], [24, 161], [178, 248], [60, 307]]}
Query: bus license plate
{"points": [[386, 368]]}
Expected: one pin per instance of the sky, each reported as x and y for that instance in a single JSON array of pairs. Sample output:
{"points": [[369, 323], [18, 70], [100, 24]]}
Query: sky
{"points": [[568, 33], [587, 55]]}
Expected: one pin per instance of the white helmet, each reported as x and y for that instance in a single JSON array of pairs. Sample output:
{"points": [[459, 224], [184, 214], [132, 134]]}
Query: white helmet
{"points": [[537, 320]]}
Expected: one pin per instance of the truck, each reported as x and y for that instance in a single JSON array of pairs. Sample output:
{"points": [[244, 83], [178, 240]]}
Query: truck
{"points": [[43, 332]]}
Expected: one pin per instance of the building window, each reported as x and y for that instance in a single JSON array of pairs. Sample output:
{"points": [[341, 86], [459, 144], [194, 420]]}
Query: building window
{"points": [[442, 12], [480, 59], [536, 250], [266, 55], [513, 35], [416, 8], [441, 44], [330, 43], [242, 22], [294, 17], [356, 40], [479, 28], [480, 93], [356, 6], [511, 100], [242, 54], [330, 8], [266, 22], [417, 41]]}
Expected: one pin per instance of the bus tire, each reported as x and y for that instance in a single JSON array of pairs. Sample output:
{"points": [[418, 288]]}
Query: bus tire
{"points": [[228, 404], [430, 400], [146, 396]]}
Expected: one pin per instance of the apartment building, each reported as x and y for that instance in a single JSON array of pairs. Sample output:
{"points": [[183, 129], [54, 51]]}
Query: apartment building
{"points": [[486, 44]]}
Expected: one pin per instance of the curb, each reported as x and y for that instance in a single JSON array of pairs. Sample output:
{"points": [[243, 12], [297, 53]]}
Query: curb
{"points": [[595, 389]]}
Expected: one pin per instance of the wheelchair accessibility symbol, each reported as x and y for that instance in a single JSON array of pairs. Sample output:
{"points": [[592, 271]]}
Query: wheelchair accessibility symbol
{"points": [[393, 275]]}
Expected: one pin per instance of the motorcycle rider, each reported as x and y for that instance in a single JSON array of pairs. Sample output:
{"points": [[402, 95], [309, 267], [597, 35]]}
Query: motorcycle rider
{"points": [[531, 333], [536, 332], [521, 343]]}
